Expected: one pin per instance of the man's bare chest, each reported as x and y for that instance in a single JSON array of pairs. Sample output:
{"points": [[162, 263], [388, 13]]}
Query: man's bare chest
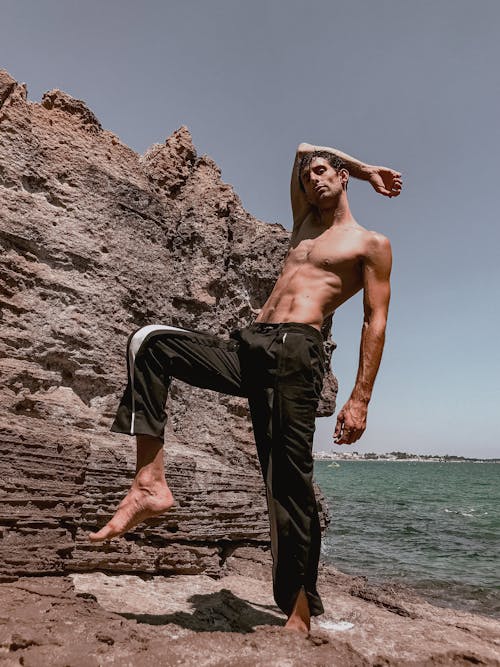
{"points": [[338, 254]]}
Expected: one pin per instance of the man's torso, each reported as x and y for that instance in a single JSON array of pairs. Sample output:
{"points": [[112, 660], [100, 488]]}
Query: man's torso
{"points": [[321, 271]]}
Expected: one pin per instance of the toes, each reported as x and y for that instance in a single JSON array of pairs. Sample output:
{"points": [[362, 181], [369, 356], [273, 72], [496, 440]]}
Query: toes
{"points": [[107, 532], [96, 537], [100, 535]]}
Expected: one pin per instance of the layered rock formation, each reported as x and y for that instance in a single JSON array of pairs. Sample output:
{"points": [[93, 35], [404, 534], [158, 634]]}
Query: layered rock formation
{"points": [[96, 242]]}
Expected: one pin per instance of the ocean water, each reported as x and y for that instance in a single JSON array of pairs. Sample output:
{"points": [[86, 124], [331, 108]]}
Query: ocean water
{"points": [[434, 527]]}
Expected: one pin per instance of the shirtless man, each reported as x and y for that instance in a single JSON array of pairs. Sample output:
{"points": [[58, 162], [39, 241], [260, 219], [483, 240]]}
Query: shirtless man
{"points": [[278, 364]]}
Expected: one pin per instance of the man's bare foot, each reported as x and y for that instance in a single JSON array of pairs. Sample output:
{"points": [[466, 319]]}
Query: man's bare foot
{"points": [[139, 504], [300, 619]]}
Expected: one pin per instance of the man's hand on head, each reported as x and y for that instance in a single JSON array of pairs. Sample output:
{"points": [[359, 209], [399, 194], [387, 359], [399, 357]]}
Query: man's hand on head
{"points": [[351, 422], [385, 181]]}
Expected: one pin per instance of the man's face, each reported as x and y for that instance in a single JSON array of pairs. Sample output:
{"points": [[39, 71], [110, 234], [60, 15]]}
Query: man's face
{"points": [[322, 183]]}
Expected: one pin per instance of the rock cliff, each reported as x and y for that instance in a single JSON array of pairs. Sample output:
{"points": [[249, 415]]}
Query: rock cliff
{"points": [[96, 241]]}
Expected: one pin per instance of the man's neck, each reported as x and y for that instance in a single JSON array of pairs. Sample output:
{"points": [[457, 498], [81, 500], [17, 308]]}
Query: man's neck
{"points": [[337, 215]]}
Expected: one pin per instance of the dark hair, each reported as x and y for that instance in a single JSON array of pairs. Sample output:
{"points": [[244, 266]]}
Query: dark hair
{"points": [[332, 159]]}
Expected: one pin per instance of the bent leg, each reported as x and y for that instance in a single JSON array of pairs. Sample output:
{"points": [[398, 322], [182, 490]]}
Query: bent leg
{"points": [[158, 353], [155, 354]]}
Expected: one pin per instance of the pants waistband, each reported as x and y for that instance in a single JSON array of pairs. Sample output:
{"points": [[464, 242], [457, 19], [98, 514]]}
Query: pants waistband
{"points": [[284, 327]]}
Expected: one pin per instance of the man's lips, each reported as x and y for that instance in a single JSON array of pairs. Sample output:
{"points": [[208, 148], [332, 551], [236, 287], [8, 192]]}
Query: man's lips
{"points": [[321, 187]]}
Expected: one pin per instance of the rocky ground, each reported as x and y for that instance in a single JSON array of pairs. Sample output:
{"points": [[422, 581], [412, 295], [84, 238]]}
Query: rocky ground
{"points": [[91, 619]]}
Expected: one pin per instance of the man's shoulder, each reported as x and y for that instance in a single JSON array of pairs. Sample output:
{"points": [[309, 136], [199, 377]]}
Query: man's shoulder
{"points": [[372, 246], [376, 243], [370, 242], [377, 251]]}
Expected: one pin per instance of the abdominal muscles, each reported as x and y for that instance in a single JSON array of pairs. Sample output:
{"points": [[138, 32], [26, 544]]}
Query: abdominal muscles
{"points": [[305, 294]]}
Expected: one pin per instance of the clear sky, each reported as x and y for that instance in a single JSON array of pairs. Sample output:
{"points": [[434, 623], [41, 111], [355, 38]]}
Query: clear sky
{"points": [[411, 85]]}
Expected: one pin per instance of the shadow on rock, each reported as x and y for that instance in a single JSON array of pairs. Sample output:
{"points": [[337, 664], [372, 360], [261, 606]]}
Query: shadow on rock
{"points": [[221, 611]]}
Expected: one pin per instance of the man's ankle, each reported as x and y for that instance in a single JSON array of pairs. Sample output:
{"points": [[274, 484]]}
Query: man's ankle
{"points": [[148, 482]]}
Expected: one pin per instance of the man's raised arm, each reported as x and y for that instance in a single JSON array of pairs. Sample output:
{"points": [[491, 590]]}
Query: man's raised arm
{"points": [[351, 420]]}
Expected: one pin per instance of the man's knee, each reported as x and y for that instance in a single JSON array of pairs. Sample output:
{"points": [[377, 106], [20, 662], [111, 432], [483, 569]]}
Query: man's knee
{"points": [[129, 339], [149, 332]]}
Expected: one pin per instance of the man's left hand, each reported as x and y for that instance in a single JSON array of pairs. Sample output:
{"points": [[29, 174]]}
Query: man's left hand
{"points": [[351, 422], [386, 181]]}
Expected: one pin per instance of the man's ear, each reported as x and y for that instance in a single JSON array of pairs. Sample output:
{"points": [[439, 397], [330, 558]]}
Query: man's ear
{"points": [[344, 178]]}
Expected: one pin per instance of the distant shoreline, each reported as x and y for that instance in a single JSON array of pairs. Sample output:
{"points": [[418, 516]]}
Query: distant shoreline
{"points": [[336, 457]]}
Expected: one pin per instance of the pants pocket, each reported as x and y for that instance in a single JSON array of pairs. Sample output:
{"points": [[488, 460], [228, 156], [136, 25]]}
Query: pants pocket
{"points": [[295, 361]]}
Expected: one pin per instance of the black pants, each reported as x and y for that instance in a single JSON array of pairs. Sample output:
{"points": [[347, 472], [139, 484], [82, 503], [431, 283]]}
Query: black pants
{"points": [[279, 368]]}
